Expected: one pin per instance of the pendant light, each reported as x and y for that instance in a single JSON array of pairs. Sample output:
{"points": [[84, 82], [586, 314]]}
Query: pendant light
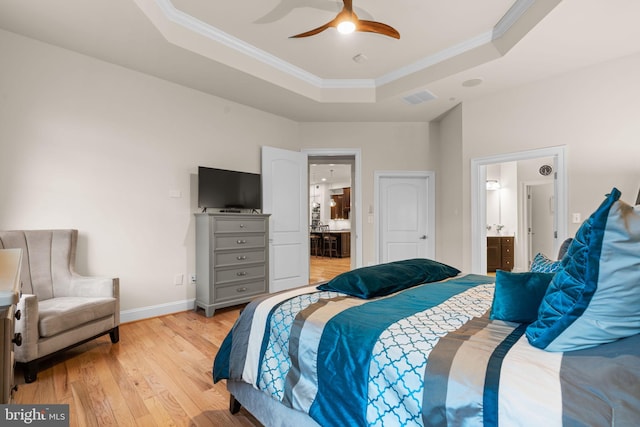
{"points": [[332, 203]]}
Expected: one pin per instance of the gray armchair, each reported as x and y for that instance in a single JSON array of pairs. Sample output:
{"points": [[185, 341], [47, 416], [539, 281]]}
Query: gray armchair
{"points": [[59, 309]]}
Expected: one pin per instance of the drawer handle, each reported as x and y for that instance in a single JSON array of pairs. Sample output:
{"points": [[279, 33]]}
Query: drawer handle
{"points": [[241, 290], [241, 242], [241, 273], [18, 315], [241, 257], [17, 339], [241, 225]]}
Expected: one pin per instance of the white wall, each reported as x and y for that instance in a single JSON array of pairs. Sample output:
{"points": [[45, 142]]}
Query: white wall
{"points": [[502, 203], [97, 147], [593, 112], [493, 201], [449, 175], [509, 198], [89, 145], [384, 146]]}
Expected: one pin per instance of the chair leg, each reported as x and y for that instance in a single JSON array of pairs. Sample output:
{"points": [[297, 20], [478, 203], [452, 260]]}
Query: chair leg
{"points": [[30, 371], [114, 334]]}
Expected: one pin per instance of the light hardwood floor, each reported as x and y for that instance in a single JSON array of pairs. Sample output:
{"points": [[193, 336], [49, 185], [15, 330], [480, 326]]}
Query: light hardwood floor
{"points": [[324, 268], [159, 374]]}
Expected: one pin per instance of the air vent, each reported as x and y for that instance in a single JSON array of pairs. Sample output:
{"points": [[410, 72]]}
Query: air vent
{"points": [[419, 97]]}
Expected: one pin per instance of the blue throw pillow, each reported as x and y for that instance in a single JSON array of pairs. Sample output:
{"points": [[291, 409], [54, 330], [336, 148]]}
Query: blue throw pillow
{"points": [[517, 296], [564, 247], [542, 264], [385, 279], [595, 297]]}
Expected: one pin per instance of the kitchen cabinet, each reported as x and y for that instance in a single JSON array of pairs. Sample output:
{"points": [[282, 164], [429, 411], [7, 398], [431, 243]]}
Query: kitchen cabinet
{"points": [[342, 208]]}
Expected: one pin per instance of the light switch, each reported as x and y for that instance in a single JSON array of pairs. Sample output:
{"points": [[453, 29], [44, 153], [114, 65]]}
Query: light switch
{"points": [[577, 218]]}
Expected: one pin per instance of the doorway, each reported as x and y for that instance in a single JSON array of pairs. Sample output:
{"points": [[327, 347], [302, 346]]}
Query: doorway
{"points": [[519, 215], [334, 200], [549, 159]]}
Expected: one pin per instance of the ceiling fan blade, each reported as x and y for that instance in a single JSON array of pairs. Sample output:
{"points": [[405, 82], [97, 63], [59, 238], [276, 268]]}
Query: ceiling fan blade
{"points": [[377, 27], [347, 14], [314, 31], [348, 5]]}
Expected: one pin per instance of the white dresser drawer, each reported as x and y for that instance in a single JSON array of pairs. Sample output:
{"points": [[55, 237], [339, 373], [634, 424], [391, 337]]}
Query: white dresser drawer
{"points": [[245, 225], [241, 290], [225, 259]]}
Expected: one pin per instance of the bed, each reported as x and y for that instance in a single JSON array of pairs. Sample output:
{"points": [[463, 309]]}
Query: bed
{"points": [[418, 343]]}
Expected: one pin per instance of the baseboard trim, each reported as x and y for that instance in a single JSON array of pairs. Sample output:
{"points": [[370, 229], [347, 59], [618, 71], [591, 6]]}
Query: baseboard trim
{"points": [[156, 310]]}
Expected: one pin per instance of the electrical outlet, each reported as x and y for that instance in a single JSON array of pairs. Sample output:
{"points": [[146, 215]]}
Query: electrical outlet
{"points": [[193, 279]]}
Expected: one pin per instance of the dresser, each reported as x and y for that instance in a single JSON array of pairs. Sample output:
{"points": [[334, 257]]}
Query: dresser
{"points": [[10, 262], [500, 253], [232, 259]]}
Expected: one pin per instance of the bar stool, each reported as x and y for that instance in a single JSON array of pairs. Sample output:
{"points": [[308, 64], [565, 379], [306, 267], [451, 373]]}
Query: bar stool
{"points": [[329, 242], [314, 240]]}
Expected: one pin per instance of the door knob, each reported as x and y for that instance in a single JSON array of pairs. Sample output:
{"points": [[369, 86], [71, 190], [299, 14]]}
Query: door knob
{"points": [[423, 237]]}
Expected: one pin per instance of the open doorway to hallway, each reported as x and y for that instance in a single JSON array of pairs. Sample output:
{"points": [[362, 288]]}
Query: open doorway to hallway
{"points": [[331, 215]]}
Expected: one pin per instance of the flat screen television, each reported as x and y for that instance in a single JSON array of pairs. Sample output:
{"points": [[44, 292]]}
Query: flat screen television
{"points": [[228, 190]]}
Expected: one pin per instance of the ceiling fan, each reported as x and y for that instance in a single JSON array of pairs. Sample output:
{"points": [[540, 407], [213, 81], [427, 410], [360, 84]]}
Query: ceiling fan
{"points": [[347, 22]]}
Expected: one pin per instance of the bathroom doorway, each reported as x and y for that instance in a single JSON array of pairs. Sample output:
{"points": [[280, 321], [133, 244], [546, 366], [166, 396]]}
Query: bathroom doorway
{"points": [[520, 205], [532, 167]]}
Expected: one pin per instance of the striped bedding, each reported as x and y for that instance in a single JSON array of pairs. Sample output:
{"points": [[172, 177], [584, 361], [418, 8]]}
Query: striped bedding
{"points": [[425, 356]]}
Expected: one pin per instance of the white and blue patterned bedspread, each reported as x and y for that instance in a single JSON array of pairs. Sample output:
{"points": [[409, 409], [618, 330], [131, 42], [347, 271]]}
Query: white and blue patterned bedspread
{"points": [[425, 356]]}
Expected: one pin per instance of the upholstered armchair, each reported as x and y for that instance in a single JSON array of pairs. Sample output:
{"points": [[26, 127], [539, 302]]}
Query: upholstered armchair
{"points": [[59, 309]]}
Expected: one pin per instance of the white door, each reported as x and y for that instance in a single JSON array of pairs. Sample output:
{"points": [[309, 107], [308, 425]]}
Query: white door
{"points": [[406, 225], [284, 196], [540, 201]]}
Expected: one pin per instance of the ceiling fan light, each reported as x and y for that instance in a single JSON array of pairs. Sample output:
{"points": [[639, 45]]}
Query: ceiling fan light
{"points": [[346, 27]]}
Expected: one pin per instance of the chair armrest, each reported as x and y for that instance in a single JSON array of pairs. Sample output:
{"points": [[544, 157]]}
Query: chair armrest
{"points": [[86, 286], [27, 326], [96, 287]]}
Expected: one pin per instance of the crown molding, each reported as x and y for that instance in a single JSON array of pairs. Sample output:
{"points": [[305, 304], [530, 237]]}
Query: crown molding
{"points": [[214, 34], [512, 16], [304, 82]]}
